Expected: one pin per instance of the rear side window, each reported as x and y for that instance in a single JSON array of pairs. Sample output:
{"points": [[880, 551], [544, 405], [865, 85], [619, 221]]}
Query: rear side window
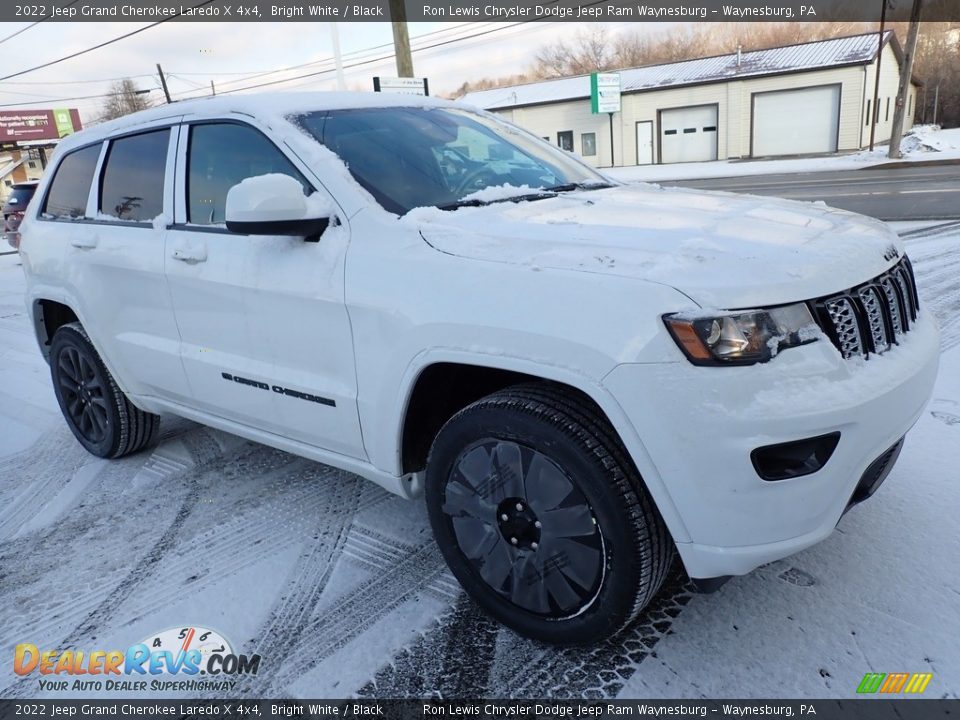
{"points": [[220, 156], [132, 184], [70, 188]]}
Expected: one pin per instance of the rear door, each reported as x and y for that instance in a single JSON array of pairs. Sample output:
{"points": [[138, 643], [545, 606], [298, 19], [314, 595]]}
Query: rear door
{"points": [[266, 340], [106, 204]]}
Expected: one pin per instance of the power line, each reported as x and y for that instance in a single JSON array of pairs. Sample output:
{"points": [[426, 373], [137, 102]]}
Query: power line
{"points": [[312, 63], [77, 97], [34, 24], [370, 61], [103, 44], [74, 82]]}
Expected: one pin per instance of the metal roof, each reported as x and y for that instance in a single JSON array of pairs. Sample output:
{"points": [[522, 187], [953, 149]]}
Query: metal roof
{"points": [[855, 50]]}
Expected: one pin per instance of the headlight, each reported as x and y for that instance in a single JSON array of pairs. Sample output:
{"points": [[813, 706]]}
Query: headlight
{"points": [[741, 337]]}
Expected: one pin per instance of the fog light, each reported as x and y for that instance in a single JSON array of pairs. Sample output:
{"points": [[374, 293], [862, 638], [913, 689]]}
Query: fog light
{"points": [[794, 459]]}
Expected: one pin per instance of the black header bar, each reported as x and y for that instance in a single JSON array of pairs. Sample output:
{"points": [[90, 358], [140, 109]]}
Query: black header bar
{"points": [[479, 10]]}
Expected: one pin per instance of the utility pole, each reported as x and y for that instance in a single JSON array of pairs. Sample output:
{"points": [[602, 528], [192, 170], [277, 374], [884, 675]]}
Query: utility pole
{"points": [[337, 58], [163, 83], [875, 111], [936, 103], [906, 75], [401, 38], [213, 90]]}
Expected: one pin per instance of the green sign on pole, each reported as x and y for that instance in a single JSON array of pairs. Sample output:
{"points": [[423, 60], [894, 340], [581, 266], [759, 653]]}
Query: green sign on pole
{"points": [[604, 93]]}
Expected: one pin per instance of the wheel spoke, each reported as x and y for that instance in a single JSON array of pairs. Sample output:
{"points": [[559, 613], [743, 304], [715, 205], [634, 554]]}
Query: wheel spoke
{"points": [[67, 367], [547, 487], [576, 521], [474, 537], [581, 562], [529, 590], [99, 415], [461, 499], [560, 590], [86, 368], [93, 385], [69, 385], [497, 564], [509, 470], [73, 407], [475, 467]]}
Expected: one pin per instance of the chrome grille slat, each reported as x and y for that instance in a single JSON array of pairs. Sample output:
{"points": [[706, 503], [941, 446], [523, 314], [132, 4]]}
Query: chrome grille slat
{"points": [[845, 324], [874, 310], [871, 317], [893, 302]]}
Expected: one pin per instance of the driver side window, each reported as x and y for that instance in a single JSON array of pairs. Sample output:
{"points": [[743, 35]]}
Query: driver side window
{"points": [[219, 156]]}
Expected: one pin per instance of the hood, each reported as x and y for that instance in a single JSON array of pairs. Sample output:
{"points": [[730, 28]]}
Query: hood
{"points": [[721, 249]]}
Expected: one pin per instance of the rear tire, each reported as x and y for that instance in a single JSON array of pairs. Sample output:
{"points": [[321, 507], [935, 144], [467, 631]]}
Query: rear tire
{"points": [[542, 517], [101, 417]]}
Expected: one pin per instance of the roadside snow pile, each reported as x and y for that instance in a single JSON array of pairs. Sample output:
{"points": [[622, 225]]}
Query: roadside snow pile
{"points": [[930, 139], [924, 142]]}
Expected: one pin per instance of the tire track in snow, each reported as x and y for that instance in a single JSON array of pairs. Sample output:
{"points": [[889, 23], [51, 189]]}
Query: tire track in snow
{"points": [[308, 579], [355, 613], [519, 667]]}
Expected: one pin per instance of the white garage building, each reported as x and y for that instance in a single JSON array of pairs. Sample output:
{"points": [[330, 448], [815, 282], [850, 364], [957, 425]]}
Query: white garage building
{"points": [[795, 100]]}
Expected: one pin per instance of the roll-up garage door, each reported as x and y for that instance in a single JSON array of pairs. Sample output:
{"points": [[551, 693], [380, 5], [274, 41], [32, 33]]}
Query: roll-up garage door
{"points": [[688, 134], [796, 122]]}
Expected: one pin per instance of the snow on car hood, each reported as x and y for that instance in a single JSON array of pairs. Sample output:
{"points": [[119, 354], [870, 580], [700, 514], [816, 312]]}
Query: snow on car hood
{"points": [[722, 250]]}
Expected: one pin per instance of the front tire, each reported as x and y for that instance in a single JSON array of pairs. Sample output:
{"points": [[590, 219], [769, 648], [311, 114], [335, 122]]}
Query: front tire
{"points": [[100, 416], [543, 518]]}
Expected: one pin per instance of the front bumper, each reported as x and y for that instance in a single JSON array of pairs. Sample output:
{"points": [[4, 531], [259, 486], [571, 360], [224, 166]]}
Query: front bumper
{"points": [[698, 426]]}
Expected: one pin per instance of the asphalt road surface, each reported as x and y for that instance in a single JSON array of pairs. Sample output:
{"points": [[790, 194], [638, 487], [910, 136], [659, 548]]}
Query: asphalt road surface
{"points": [[900, 193]]}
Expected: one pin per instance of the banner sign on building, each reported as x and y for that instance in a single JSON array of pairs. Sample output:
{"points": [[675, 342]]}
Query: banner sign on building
{"points": [[27, 125], [402, 86], [605, 93]]}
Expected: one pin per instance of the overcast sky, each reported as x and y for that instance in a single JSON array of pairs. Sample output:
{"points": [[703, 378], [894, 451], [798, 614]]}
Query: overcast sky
{"points": [[193, 53]]}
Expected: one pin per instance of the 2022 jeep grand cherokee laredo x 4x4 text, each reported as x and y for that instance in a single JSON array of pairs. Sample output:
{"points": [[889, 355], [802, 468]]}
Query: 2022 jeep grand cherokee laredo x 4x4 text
{"points": [[581, 376]]}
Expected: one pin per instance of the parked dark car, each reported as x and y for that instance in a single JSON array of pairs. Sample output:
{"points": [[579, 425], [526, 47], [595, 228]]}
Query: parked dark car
{"points": [[13, 209]]}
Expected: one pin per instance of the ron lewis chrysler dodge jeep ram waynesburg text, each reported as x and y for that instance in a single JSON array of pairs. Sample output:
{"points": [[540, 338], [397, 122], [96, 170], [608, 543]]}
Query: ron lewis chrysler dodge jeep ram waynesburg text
{"points": [[582, 377]]}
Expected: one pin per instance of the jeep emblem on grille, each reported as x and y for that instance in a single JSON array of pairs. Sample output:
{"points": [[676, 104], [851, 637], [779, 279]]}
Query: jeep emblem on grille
{"points": [[891, 253]]}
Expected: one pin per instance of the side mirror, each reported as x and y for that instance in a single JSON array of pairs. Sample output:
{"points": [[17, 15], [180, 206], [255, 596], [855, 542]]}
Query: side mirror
{"points": [[274, 204]]}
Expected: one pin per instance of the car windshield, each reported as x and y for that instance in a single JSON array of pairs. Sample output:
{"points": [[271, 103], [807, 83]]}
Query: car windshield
{"points": [[409, 157]]}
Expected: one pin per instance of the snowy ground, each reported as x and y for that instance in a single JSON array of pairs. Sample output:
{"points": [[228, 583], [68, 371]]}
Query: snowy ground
{"points": [[340, 588], [924, 143]]}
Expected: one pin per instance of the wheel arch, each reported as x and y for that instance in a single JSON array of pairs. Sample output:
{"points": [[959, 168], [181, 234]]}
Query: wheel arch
{"points": [[49, 316], [418, 425]]}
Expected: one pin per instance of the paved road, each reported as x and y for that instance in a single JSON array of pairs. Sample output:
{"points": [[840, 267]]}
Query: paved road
{"points": [[911, 193]]}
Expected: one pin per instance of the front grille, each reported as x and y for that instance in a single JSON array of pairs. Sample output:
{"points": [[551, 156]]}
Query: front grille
{"points": [[871, 317]]}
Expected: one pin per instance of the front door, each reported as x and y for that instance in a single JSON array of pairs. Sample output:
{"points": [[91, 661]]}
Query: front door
{"points": [[266, 340], [645, 142]]}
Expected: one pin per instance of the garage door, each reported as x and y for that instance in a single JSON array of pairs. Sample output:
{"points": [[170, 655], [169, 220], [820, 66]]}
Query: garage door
{"points": [[796, 122], [688, 134]]}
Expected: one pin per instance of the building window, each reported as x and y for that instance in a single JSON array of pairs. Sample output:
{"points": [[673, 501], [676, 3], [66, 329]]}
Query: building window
{"points": [[887, 117], [588, 144], [8, 183], [910, 106], [565, 140], [867, 123], [32, 165], [547, 138]]}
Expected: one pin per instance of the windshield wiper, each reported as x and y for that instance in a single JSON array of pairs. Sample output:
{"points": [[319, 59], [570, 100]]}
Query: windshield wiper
{"points": [[476, 202], [568, 187]]}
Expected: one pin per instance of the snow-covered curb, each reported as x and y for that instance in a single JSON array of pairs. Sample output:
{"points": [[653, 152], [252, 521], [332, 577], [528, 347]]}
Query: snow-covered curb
{"points": [[924, 143]]}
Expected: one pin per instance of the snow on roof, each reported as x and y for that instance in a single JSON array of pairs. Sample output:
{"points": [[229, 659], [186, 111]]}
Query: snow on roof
{"points": [[260, 105], [855, 50]]}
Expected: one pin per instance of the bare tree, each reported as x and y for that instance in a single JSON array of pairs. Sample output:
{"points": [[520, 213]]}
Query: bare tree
{"points": [[123, 98]]}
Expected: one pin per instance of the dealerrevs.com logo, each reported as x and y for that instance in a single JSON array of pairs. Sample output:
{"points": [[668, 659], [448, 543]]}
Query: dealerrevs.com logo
{"points": [[173, 660]]}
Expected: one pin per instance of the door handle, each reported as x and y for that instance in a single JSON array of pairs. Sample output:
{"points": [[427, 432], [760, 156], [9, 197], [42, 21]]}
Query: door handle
{"points": [[84, 242], [190, 255]]}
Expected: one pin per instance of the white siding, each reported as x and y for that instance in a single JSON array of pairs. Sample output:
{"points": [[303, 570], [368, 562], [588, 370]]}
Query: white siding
{"points": [[733, 99]]}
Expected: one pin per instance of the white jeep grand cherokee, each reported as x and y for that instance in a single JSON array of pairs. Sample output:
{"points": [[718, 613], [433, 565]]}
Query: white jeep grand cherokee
{"points": [[581, 376]]}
